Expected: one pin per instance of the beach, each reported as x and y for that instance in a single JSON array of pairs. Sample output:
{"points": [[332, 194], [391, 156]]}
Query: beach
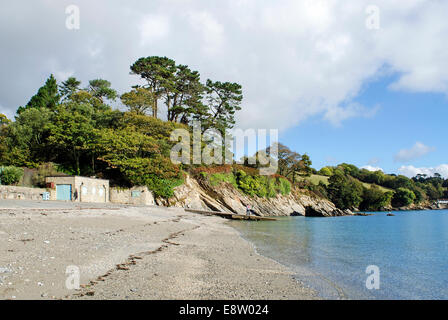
{"points": [[127, 252]]}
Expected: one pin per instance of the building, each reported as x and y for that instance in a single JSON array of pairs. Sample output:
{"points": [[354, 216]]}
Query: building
{"points": [[134, 196], [79, 189]]}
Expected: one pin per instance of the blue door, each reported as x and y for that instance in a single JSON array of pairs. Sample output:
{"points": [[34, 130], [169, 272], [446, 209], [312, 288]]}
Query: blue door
{"points": [[64, 192]]}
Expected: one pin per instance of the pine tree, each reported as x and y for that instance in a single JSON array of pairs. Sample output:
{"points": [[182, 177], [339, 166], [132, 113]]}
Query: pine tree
{"points": [[47, 97]]}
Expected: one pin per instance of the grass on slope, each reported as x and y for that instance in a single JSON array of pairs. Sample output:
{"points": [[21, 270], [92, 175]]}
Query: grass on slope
{"points": [[315, 179]]}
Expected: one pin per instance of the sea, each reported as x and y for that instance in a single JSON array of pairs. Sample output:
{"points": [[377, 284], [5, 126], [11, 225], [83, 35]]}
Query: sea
{"points": [[360, 257]]}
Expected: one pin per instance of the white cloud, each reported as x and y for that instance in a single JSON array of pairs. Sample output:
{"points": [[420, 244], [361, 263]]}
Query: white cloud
{"points": [[374, 161], [153, 28], [295, 59], [411, 171], [337, 114], [372, 168], [417, 151], [211, 31]]}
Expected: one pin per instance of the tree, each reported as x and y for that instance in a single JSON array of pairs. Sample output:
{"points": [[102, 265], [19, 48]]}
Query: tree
{"points": [[290, 163], [159, 73], [374, 199], [349, 169], [304, 166], [326, 171], [345, 192], [139, 100], [4, 120], [399, 182], [72, 132], [139, 159], [47, 97], [101, 89], [403, 197], [26, 139], [223, 100], [287, 160], [184, 98], [69, 87], [445, 183]]}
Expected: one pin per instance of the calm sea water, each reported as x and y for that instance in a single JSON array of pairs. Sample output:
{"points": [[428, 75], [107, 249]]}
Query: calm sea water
{"points": [[331, 254]]}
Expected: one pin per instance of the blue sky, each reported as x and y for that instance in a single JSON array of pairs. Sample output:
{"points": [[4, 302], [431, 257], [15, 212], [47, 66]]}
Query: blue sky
{"points": [[401, 120]]}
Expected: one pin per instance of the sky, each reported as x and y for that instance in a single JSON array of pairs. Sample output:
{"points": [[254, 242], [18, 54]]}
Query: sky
{"points": [[362, 82]]}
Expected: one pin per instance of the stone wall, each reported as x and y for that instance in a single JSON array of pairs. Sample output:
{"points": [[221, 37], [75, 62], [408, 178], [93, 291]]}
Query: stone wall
{"points": [[21, 193], [134, 196]]}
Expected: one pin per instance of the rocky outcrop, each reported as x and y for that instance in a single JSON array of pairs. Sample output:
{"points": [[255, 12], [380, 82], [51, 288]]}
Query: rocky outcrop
{"points": [[201, 195]]}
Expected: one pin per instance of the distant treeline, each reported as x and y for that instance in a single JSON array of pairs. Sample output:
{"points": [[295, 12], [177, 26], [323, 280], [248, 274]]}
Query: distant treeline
{"points": [[345, 188]]}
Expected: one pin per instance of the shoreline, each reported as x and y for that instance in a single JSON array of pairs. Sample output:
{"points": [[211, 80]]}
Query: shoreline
{"points": [[134, 253]]}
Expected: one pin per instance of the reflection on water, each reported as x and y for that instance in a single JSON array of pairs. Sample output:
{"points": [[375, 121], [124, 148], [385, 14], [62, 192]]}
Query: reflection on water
{"points": [[332, 254]]}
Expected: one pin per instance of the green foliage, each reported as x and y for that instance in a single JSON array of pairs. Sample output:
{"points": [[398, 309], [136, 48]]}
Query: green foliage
{"points": [[46, 97], [326, 171], [85, 136], [223, 100], [101, 89], [290, 163], [284, 186], [25, 138], [10, 175], [73, 130], [69, 87], [374, 199], [423, 187], [403, 197], [4, 120], [345, 192], [185, 97], [250, 184], [349, 169], [158, 72], [139, 100], [218, 178]]}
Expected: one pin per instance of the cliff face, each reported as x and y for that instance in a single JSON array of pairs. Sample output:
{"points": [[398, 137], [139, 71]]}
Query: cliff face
{"points": [[200, 195]]}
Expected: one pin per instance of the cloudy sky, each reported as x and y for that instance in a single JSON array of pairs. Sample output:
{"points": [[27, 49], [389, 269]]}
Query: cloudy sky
{"points": [[363, 82]]}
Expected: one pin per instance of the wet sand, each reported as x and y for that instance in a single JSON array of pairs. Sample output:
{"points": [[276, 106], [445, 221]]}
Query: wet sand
{"points": [[125, 252]]}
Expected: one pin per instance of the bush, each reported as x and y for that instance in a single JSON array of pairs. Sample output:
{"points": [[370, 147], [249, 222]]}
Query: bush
{"points": [[163, 188], [326, 171], [344, 191], [403, 197], [10, 175], [249, 183], [374, 199], [218, 178], [284, 186]]}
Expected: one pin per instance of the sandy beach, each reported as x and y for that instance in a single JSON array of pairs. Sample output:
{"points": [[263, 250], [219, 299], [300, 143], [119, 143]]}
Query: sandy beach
{"points": [[125, 252]]}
